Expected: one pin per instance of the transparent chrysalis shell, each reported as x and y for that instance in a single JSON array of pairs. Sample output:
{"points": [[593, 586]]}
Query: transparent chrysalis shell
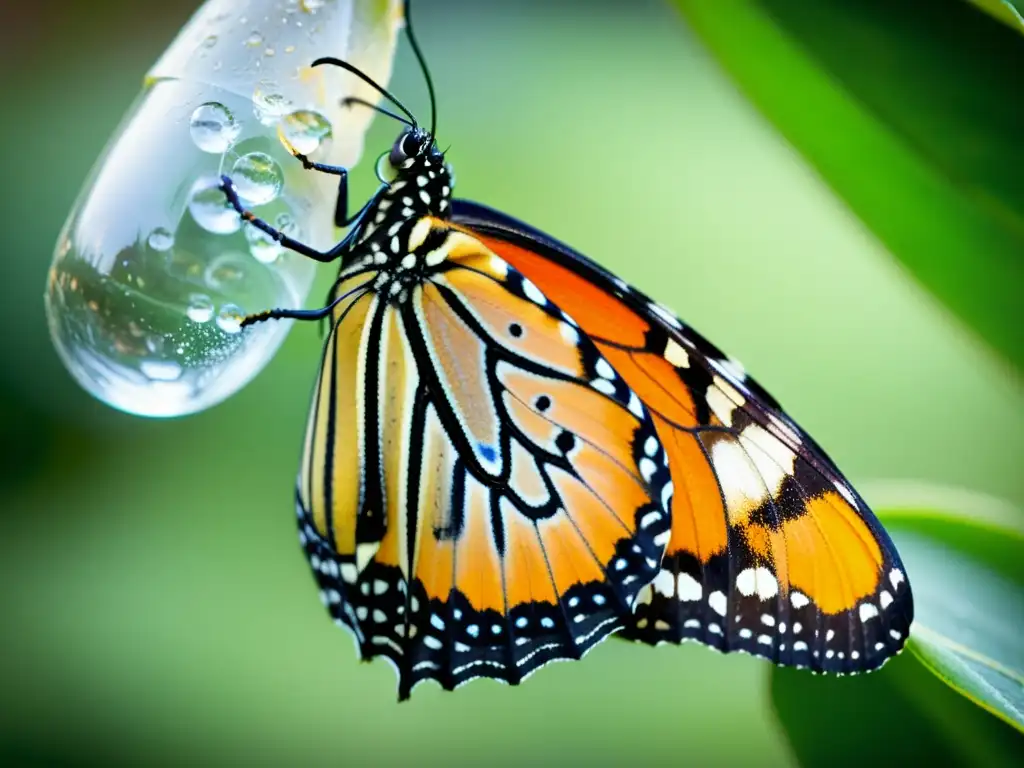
{"points": [[153, 270]]}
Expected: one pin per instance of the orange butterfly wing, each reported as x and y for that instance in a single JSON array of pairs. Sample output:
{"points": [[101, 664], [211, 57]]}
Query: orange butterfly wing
{"points": [[480, 493], [771, 550]]}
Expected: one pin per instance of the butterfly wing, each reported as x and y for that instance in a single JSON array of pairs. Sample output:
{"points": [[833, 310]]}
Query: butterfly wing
{"points": [[480, 493], [772, 552]]}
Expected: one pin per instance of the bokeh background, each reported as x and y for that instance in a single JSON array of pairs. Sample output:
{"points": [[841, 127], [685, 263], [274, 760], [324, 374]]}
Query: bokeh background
{"points": [[155, 605]]}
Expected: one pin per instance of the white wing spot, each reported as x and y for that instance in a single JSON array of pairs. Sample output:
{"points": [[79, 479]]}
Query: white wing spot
{"points": [[885, 599], [799, 600], [743, 486], [773, 460], [867, 611], [896, 577], [650, 519], [634, 406], [718, 602], [689, 589], [676, 355], [604, 370], [719, 403], [758, 581], [664, 583], [533, 293]]}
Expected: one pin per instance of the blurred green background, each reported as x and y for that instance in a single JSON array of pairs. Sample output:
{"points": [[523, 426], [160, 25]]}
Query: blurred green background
{"points": [[156, 607]]}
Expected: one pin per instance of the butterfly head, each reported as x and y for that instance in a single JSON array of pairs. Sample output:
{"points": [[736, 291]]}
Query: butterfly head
{"points": [[417, 174]]}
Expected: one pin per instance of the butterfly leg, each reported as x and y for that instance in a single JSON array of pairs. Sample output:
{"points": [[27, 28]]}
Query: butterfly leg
{"points": [[292, 314], [341, 217], [288, 242]]}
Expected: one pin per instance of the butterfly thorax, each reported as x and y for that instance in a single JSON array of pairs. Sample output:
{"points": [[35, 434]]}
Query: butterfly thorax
{"points": [[398, 234]]}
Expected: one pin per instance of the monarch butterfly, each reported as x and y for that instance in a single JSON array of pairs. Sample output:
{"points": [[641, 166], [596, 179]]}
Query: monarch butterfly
{"points": [[512, 454]]}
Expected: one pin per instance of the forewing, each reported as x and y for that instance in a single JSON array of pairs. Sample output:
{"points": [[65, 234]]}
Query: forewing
{"points": [[771, 552]]}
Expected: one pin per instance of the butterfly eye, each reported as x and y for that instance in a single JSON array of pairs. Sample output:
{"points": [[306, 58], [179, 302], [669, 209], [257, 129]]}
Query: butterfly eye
{"points": [[407, 145]]}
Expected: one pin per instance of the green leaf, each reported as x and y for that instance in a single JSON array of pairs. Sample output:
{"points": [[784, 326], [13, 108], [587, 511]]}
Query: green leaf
{"points": [[901, 714], [1007, 11], [965, 570], [911, 112], [968, 612]]}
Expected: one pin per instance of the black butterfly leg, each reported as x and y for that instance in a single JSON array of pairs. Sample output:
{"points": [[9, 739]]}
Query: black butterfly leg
{"points": [[292, 314], [341, 217], [228, 188], [292, 244]]}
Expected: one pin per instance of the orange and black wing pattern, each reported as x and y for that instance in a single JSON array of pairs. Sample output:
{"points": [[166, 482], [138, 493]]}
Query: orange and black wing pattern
{"points": [[480, 492], [771, 550]]}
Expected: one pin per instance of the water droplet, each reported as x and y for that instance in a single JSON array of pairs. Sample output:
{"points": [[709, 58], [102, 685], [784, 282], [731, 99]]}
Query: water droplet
{"points": [[304, 130], [210, 207], [254, 40], [270, 107], [311, 6], [269, 52], [257, 177], [262, 246], [160, 370], [210, 41], [214, 128], [289, 49], [160, 239], [200, 308], [286, 225], [229, 319]]}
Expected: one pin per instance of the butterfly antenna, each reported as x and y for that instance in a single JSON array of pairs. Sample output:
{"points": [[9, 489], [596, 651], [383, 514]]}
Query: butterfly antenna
{"points": [[350, 100], [423, 67], [366, 79]]}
